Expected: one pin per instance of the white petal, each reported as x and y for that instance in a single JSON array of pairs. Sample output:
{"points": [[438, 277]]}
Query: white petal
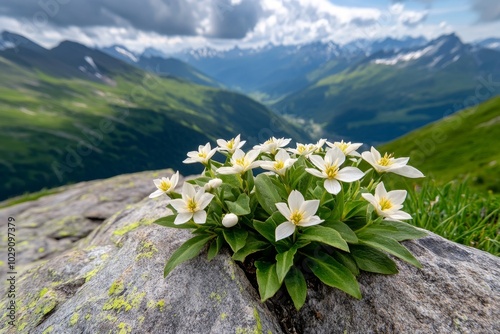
{"points": [[188, 190], [317, 161], [380, 191], [284, 210], [349, 174], [174, 180], [191, 161], [309, 208], [397, 196], [182, 218], [314, 220], [371, 199], [315, 172], [178, 204], [157, 182], [368, 157], [408, 171], [400, 215], [227, 170], [335, 155], [376, 154], [238, 154], [222, 143], [205, 200], [332, 186], [281, 155], [156, 193], [252, 155], [284, 230], [295, 200], [200, 217], [240, 145]]}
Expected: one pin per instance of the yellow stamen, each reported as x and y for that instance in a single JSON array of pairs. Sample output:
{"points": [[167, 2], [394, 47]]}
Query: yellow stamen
{"points": [[331, 171], [296, 217], [386, 160], [301, 149], [240, 162], [279, 164], [164, 185], [343, 146], [191, 205], [202, 154], [230, 144], [385, 204]]}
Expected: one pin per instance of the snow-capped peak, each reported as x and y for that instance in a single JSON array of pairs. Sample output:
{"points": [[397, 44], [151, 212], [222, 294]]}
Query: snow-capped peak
{"points": [[126, 53]]}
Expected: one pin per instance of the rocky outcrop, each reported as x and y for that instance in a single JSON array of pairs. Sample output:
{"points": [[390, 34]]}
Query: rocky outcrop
{"points": [[111, 281]]}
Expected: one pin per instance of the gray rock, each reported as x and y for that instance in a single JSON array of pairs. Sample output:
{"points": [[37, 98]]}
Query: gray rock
{"points": [[51, 224], [111, 281]]}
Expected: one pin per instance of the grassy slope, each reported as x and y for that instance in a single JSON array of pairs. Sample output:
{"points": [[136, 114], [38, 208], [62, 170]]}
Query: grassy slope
{"points": [[465, 144], [153, 122]]}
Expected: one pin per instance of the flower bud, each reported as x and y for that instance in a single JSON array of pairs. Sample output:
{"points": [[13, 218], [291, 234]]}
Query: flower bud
{"points": [[230, 220], [213, 184]]}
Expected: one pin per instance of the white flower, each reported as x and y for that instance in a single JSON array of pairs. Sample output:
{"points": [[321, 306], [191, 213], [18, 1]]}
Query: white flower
{"points": [[272, 144], [241, 162], [192, 205], [388, 204], [203, 154], [346, 148], [319, 145], [213, 184], [230, 220], [388, 163], [165, 185], [329, 169], [281, 163], [303, 149], [298, 213], [230, 145]]}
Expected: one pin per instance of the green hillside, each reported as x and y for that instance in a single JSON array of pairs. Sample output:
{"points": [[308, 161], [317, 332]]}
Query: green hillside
{"points": [[57, 129], [462, 145], [376, 103]]}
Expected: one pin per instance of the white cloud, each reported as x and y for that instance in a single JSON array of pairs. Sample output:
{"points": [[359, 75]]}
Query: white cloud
{"points": [[273, 21]]}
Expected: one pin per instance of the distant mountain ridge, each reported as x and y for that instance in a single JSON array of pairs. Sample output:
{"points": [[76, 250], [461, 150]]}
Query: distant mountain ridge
{"points": [[159, 64], [73, 113], [390, 93]]}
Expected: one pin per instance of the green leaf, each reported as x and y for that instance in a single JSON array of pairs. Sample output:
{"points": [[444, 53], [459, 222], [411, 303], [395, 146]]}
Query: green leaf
{"points": [[347, 261], [215, 247], [388, 245], [296, 286], [324, 235], [249, 179], [187, 251], [252, 245], [267, 194], [372, 260], [284, 261], [345, 231], [267, 279], [241, 207], [334, 274], [267, 229], [233, 180], [235, 237], [168, 221], [398, 231], [338, 208]]}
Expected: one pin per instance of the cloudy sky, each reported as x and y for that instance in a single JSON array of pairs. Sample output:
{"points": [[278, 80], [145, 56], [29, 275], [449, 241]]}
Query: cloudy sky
{"points": [[170, 25]]}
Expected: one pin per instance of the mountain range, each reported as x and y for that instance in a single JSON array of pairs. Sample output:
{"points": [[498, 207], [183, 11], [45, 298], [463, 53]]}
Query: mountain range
{"points": [[53, 101], [74, 113]]}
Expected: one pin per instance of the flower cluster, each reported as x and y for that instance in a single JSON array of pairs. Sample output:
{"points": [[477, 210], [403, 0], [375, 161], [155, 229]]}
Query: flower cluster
{"points": [[281, 206]]}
